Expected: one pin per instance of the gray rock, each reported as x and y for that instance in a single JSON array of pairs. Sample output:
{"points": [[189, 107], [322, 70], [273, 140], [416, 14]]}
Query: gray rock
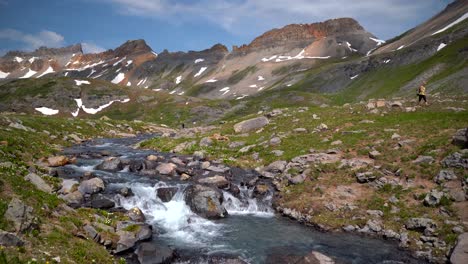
{"points": [[20, 214], [236, 144], [374, 225], [251, 124], [151, 253], [135, 214], [433, 198], [246, 148], [37, 181], [275, 141], [461, 138], [217, 180], [166, 168], [205, 165], [456, 160], [183, 146], [277, 153], [277, 166], [219, 168], [10, 240], [349, 228], [205, 201], [423, 159], [91, 186], [460, 252], [199, 155], [363, 177], [458, 229], [374, 154], [111, 164], [100, 201], [74, 199], [376, 213], [67, 186], [420, 224], [445, 175], [206, 142], [91, 232], [297, 179], [166, 193], [300, 130]]}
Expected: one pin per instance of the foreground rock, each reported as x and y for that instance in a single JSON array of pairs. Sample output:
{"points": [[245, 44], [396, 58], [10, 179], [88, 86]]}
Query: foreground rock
{"points": [[251, 124], [460, 252], [150, 253], [20, 214], [166, 193], [10, 240], [37, 181], [461, 138], [91, 186], [57, 161], [205, 201]]}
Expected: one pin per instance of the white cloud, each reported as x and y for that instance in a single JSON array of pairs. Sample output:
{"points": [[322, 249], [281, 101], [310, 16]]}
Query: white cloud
{"points": [[33, 41], [91, 48], [236, 16]]}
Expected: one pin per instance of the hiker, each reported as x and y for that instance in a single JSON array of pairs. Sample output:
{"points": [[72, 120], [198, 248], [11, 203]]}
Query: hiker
{"points": [[422, 93], [183, 125]]}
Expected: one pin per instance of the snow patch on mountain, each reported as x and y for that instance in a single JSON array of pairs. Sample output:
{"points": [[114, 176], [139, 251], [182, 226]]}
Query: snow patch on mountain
{"points": [[211, 81], [178, 79], [399, 48], [349, 47], [47, 111], [80, 82], [199, 60], [93, 111], [29, 74], [202, 69], [465, 16], [379, 41], [118, 78], [31, 60], [18, 59], [260, 78], [441, 46], [3, 75], [118, 62], [353, 77]]}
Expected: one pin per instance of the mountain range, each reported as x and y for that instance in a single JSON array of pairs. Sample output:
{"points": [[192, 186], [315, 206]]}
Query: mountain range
{"points": [[336, 59]]}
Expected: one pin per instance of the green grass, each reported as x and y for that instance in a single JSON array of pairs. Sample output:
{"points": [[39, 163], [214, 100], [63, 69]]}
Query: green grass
{"points": [[239, 75]]}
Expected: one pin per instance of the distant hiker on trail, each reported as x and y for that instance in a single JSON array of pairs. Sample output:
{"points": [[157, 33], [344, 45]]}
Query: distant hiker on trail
{"points": [[422, 93], [183, 125]]}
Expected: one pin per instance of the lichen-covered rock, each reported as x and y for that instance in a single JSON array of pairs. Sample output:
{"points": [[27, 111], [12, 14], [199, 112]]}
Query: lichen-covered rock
{"points": [[251, 124], [205, 201]]}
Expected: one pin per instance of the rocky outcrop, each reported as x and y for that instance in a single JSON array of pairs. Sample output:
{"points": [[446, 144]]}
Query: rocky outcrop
{"points": [[20, 214], [460, 252], [251, 124], [205, 201]]}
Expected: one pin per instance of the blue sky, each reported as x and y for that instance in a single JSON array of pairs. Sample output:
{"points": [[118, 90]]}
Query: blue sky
{"points": [[181, 25]]}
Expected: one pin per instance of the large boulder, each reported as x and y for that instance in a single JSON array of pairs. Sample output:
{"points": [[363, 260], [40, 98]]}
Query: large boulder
{"points": [[205, 201], [420, 224], [251, 124], [166, 193], [19, 214], [433, 198], [111, 164], [135, 214], [57, 161], [460, 252], [166, 168], [218, 181], [100, 201], [37, 181], [74, 199], [91, 186], [10, 240], [151, 253], [456, 160], [461, 138], [130, 234]]}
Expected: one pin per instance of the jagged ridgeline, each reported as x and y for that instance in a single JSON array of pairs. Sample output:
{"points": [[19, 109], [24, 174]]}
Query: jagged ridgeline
{"points": [[337, 60]]}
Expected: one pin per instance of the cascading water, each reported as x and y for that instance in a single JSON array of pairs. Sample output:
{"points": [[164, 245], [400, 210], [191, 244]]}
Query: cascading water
{"points": [[251, 230]]}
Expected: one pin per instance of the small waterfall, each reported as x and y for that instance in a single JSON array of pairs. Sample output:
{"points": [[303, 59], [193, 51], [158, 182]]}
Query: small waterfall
{"points": [[247, 204]]}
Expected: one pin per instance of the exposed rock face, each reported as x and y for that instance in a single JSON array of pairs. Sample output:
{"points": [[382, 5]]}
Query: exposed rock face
{"points": [[251, 124], [205, 201], [20, 214], [460, 252]]}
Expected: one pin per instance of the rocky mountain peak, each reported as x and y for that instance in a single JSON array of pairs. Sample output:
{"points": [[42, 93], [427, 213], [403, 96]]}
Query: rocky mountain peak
{"points": [[44, 51], [132, 47]]}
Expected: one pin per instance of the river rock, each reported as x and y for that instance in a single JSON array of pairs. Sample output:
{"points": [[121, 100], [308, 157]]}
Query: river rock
{"points": [[68, 186], [20, 214], [420, 224], [135, 214], [460, 252], [91, 186], [166, 168], [152, 157], [10, 239], [205, 201], [74, 199], [218, 181], [251, 124], [151, 253], [260, 190], [166, 193], [100, 201], [461, 138], [37, 181], [111, 164], [315, 258], [57, 161]]}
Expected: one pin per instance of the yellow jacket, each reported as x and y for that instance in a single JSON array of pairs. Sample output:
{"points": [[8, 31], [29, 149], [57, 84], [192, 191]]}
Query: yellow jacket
{"points": [[422, 90]]}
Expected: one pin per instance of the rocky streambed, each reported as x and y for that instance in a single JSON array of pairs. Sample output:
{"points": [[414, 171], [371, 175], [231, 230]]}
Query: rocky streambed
{"points": [[185, 209]]}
